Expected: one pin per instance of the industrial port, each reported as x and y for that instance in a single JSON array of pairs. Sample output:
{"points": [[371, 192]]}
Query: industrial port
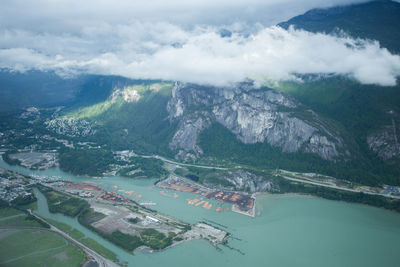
{"points": [[241, 202]]}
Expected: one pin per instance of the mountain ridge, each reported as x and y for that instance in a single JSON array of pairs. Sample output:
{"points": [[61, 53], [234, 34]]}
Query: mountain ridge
{"points": [[375, 20], [333, 124]]}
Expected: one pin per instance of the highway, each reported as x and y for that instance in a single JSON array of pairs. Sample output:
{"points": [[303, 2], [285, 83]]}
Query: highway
{"points": [[283, 176], [336, 187], [183, 164]]}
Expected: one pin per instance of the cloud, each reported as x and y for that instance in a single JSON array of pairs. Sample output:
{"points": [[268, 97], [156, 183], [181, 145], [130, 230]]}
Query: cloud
{"points": [[71, 15], [172, 40]]}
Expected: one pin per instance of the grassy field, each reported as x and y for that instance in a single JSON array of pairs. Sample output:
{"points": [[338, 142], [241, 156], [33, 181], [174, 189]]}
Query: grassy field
{"points": [[17, 221], [32, 206], [76, 234], [37, 248], [62, 226], [5, 212]]}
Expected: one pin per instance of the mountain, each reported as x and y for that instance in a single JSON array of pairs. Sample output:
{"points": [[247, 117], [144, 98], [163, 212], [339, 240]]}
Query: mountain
{"points": [[375, 20], [331, 124], [130, 117], [245, 124], [370, 113], [20, 90], [253, 115], [35, 88]]}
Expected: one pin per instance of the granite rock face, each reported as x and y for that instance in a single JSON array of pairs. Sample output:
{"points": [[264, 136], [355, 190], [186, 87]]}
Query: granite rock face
{"points": [[185, 138], [70, 127], [126, 94], [384, 142], [245, 181], [254, 115]]}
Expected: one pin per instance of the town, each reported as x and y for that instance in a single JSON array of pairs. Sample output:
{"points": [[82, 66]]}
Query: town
{"points": [[13, 186]]}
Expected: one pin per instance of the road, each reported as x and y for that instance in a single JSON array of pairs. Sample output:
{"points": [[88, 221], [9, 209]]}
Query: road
{"points": [[183, 164], [103, 262], [336, 187], [283, 176]]}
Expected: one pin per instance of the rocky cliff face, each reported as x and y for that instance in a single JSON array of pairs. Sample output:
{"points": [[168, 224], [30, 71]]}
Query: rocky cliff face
{"points": [[126, 94], [70, 127], [254, 115], [384, 142], [245, 181]]}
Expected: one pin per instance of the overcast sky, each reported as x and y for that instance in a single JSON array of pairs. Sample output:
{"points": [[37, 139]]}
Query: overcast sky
{"points": [[181, 40]]}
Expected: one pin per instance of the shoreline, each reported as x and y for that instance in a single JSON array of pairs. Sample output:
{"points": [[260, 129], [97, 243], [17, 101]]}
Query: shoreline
{"points": [[288, 194], [197, 231]]}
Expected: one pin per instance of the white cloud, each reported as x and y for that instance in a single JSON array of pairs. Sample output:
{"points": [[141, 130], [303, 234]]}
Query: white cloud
{"points": [[71, 15], [174, 40], [165, 51]]}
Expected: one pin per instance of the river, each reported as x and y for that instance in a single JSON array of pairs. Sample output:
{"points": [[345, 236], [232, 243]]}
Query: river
{"points": [[292, 230]]}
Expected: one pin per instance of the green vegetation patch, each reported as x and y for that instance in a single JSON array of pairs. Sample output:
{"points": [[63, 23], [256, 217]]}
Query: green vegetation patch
{"points": [[95, 110], [155, 240], [142, 126], [30, 206], [38, 248], [62, 226], [15, 217], [24, 241], [23, 201], [125, 241], [144, 167], [218, 142], [109, 105], [89, 216], [100, 248], [334, 194], [22, 221], [204, 176], [85, 161], [62, 203], [214, 179], [5, 212], [69, 256], [360, 110], [76, 234]]}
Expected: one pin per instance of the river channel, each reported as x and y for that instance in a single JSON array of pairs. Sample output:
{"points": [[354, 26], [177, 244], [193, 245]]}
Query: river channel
{"points": [[292, 230]]}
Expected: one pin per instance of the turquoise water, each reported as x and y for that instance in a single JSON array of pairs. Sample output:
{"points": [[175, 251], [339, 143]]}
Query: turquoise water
{"points": [[291, 231]]}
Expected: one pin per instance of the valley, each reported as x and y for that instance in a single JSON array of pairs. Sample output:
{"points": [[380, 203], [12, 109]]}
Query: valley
{"points": [[248, 133], [219, 175]]}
